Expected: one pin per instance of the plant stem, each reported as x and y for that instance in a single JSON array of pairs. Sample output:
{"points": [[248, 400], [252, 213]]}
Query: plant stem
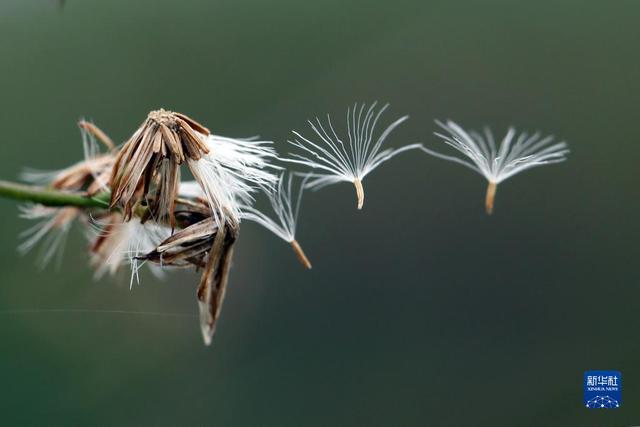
{"points": [[49, 197]]}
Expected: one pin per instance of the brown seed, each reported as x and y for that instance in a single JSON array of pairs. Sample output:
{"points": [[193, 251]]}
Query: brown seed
{"points": [[490, 197], [302, 257], [213, 284], [207, 246]]}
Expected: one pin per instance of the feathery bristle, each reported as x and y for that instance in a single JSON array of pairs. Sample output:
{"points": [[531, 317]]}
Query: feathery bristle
{"points": [[352, 161], [232, 171], [286, 207], [51, 230], [498, 163], [115, 242]]}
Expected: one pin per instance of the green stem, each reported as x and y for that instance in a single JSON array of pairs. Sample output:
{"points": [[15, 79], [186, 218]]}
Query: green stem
{"points": [[49, 197]]}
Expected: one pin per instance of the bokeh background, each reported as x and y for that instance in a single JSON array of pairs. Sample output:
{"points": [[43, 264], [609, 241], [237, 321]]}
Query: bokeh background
{"points": [[420, 309]]}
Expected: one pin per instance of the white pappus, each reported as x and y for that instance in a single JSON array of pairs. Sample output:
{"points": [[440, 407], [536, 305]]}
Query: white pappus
{"points": [[338, 160], [286, 207], [231, 172], [495, 162]]}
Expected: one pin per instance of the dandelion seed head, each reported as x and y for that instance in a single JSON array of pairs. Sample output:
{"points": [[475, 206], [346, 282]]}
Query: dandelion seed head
{"points": [[338, 159], [514, 154], [285, 205]]}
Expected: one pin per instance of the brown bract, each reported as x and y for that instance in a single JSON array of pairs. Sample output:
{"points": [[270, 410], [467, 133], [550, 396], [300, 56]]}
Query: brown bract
{"points": [[83, 174], [149, 162], [97, 133], [206, 246]]}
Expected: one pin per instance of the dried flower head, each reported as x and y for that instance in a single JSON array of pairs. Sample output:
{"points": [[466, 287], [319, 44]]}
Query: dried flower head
{"points": [[85, 177], [348, 161], [286, 207], [497, 163], [150, 161]]}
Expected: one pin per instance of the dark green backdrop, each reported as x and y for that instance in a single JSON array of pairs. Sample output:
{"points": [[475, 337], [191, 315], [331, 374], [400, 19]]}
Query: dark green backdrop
{"points": [[420, 310]]}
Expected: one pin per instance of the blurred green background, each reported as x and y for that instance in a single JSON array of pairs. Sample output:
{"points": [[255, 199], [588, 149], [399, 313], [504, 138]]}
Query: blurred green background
{"points": [[420, 310]]}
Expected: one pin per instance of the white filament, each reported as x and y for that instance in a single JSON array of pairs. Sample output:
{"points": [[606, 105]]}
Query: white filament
{"points": [[337, 160], [286, 207], [231, 171], [51, 231], [126, 242], [497, 163]]}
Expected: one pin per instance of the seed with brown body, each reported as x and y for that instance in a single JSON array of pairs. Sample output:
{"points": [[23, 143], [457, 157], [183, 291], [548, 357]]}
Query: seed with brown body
{"points": [[207, 246]]}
